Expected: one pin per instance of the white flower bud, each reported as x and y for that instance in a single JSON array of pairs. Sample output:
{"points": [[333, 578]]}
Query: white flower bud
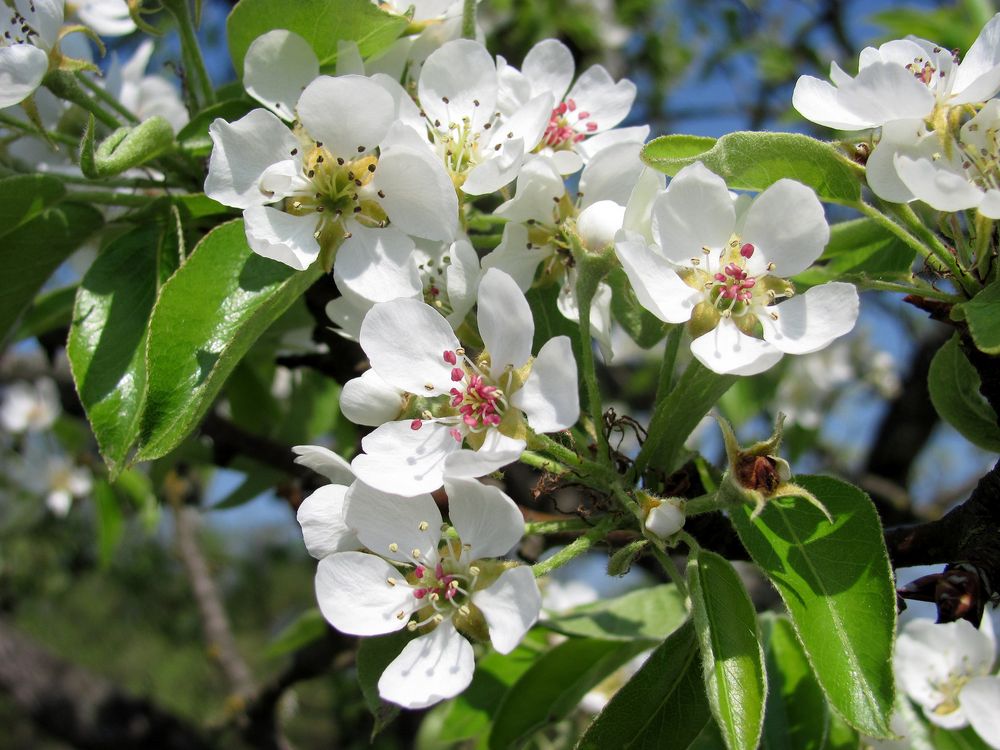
{"points": [[667, 518]]}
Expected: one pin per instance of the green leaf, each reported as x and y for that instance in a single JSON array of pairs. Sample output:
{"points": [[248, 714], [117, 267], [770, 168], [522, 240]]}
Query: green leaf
{"points": [[107, 339], [644, 328], [649, 613], [982, 313], [679, 413], [30, 254], [840, 735], [468, 715], [110, 522], [50, 310], [662, 706], [732, 659], [860, 246], [554, 685], [319, 22], [797, 715], [836, 582], [23, 197], [374, 655], [754, 161], [207, 317], [303, 630], [954, 387]]}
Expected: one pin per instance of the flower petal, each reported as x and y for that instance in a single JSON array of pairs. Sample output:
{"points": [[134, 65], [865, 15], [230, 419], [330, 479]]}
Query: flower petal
{"points": [[355, 596], [405, 340], [786, 222], [429, 669], [549, 66], [597, 94], [370, 401], [539, 187], [404, 529], [696, 211], [241, 152], [277, 67], [977, 78], [484, 517], [349, 115], [980, 699], [321, 516], [809, 322], [286, 238], [936, 185], [728, 351], [459, 80], [505, 321], [511, 606], [611, 175], [324, 461], [404, 461], [516, 256], [656, 284], [22, 68], [375, 265], [550, 396], [497, 451]]}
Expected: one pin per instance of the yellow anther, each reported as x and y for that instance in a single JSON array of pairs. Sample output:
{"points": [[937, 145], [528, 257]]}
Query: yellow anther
{"points": [[394, 547], [423, 526]]}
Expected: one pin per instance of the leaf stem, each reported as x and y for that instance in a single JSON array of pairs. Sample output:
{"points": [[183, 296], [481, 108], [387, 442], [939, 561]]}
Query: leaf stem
{"points": [[107, 98], [670, 567], [575, 548], [28, 129], [891, 286], [556, 527], [469, 19], [194, 63]]}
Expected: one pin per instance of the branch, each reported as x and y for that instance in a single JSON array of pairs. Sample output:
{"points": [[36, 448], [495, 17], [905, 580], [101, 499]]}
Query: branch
{"points": [[82, 708]]}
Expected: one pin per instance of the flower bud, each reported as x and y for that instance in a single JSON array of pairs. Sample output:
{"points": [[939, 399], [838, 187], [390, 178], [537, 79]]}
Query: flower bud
{"points": [[667, 518]]}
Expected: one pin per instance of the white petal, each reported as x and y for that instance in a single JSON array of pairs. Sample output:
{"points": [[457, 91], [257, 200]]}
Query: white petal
{"points": [[497, 451], [347, 315], [936, 185], [656, 284], [809, 322], [370, 401], [511, 606], [348, 114], [696, 211], [539, 186], [527, 124], [497, 171], [355, 596], [549, 66], [277, 67], [397, 528], [349, 60], [484, 517], [286, 238], [591, 147], [321, 516], [505, 321], [550, 396], [909, 137], [404, 461], [980, 699], [639, 210], [405, 110], [429, 669], [611, 175], [977, 78], [459, 80], [598, 224], [516, 256], [47, 17], [596, 93], [990, 206], [107, 17], [417, 193], [665, 520], [405, 340], [375, 265], [567, 162], [818, 101], [324, 461], [241, 152], [22, 68], [728, 351], [786, 222], [462, 280]]}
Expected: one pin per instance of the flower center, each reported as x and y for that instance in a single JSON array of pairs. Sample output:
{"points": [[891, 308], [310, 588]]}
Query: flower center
{"points": [[444, 587], [950, 689], [731, 289], [460, 141], [568, 125]]}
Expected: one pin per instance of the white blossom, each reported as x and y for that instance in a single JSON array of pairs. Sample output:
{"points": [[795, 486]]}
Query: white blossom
{"points": [[145, 95], [28, 31], [27, 407], [106, 17]]}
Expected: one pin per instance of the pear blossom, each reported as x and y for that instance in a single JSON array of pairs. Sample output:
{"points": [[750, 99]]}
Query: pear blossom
{"points": [[487, 402], [145, 95], [106, 17], [450, 590], [902, 79], [947, 670], [306, 190], [481, 147], [725, 272], [27, 407], [30, 29], [585, 110], [379, 265]]}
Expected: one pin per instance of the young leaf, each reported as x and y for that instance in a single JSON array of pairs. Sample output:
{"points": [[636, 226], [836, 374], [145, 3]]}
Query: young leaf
{"points": [[23, 197], [554, 685], [984, 322], [732, 659], [207, 317], [318, 22], [836, 582], [107, 339], [663, 705], [954, 387], [30, 253], [797, 716], [754, 161], [651, 613]]}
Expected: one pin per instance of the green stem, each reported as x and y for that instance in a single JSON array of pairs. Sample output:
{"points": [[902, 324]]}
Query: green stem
{"points": [[105, 97], [122, 183], [670, 567], [925, 291], [191, 51], [111, 199], [65, 86], [961, 276], [28, 129], [703, 504], [469, 19], [542, 462], [555, 527], [572, 459], [575, 548]]}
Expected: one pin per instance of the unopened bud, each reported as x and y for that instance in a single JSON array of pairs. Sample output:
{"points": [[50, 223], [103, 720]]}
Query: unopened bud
{"points": [[667, 518]]}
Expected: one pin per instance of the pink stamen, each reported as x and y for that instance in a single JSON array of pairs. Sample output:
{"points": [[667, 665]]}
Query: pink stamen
{"points": [[571, 104], [419, 593], [419, 571], [456, 434], [457, 374], [416, 424], [450, 357], [582, 115], [747, 250], [591, 126]]}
